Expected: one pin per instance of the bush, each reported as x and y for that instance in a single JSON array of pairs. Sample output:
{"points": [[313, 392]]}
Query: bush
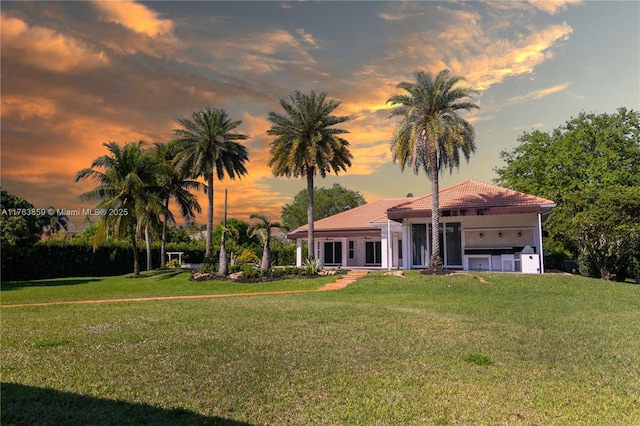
{"points": [[312, 267], [249, 272], [247, 256], [209, 267], [173, 263]]}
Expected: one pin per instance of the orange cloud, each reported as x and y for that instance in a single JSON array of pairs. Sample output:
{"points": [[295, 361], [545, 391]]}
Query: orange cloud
{"points": [[537, 94], [549, 6], [134, 16], [553, 6], [46, 49], [472, 51]]}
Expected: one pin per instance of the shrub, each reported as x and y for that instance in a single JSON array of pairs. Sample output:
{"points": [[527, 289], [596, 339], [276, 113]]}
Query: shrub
{"points": [[247, 256], [248, 271], [209, 267], [173, 263], [312, 267]]}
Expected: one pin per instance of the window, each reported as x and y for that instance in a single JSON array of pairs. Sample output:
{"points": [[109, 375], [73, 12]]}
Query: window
{"points": [[352, 249], [373, 252], [399, 249]]}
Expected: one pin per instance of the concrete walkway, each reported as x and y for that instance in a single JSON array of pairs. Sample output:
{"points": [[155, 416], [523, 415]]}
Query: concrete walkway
{"points": [[341, 282]]}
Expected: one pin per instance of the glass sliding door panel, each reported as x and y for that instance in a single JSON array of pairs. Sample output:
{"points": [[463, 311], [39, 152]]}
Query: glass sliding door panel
{"points": [[419, 244]]}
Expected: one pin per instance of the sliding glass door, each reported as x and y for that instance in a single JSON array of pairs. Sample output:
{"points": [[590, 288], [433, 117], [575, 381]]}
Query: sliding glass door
{"points": [[333, 253], [419, 245], [450, 244]]}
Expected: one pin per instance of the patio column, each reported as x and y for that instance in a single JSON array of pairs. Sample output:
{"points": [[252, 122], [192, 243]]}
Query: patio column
{"points": [[389, 246], [406, 254], [541, 251], [345, 252], [299, 242]]}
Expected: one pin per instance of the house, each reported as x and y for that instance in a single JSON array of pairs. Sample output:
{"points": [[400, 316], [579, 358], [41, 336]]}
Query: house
{"points": [[482, 227]]}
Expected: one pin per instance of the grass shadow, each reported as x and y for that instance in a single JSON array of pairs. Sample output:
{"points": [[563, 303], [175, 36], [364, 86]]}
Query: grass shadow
{"points": [[12, 285], [28, 405], [163, 274]]}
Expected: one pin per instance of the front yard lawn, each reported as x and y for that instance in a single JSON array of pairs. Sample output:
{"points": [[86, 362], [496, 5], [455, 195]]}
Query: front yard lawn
{"points": [[519, 349]]}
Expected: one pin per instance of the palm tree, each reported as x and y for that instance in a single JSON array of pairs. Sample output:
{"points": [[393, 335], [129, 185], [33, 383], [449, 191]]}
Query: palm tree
{"points": [[306, 144], [127, 191], [176, 186], [431, 134], [206, 147], [263, 228]]}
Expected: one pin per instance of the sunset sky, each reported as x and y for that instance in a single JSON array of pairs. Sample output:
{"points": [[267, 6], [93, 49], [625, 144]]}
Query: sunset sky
{"points": [[78, 74]]}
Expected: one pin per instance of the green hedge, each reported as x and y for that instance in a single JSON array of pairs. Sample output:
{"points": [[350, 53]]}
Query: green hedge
{"points": [[57, 259], [76, 258]]}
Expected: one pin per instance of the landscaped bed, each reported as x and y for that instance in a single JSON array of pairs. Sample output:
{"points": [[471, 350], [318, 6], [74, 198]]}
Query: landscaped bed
{"points": [[544, 349]]}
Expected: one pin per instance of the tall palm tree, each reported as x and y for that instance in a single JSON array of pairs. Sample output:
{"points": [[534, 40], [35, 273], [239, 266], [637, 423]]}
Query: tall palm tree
{"points": [[306, 144], [431, 134], [207, 147], [127, 191], [176, 186], [263, 228]]}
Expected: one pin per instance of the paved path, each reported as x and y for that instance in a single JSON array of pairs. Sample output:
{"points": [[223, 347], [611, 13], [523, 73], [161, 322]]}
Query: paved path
{"points": [[341, 282]]}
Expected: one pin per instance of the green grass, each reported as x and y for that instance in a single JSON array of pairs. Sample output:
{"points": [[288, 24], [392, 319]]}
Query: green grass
{"points": [[171, 282], [383, 351]]}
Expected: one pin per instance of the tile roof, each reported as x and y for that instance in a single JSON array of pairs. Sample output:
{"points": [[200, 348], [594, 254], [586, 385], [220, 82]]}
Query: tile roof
{"points": [[358, 218], [474, 196], [467, 198]]}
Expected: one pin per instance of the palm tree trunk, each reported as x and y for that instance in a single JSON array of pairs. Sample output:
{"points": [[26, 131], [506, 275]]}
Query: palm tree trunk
{"points": [[209, 236], [310, 225], [163, 242], [223, 268], [436, 261], [136, 261], [147, 242], [266, 252]]}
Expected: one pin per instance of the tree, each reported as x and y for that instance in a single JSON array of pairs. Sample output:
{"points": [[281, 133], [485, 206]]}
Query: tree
{"points": [[51, 223], [590, 167], [306, 143], [208, 148], [327, 202], [176, 186], [19, 230], [431, 134], [263, 228], [127, 192]]}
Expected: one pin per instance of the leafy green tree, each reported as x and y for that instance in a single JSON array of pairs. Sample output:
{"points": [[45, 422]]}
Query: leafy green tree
{"points": [[176, 186], [590, 167], [207, 147], [240, 238], [306, 144], [127, 191], [19, 229], [430, 134], [177, 234], [263, 228], [327, 202]]}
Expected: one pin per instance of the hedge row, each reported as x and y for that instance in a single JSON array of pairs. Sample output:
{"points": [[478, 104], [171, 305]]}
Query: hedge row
{"points": [[57, 260], [69, 258]]}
